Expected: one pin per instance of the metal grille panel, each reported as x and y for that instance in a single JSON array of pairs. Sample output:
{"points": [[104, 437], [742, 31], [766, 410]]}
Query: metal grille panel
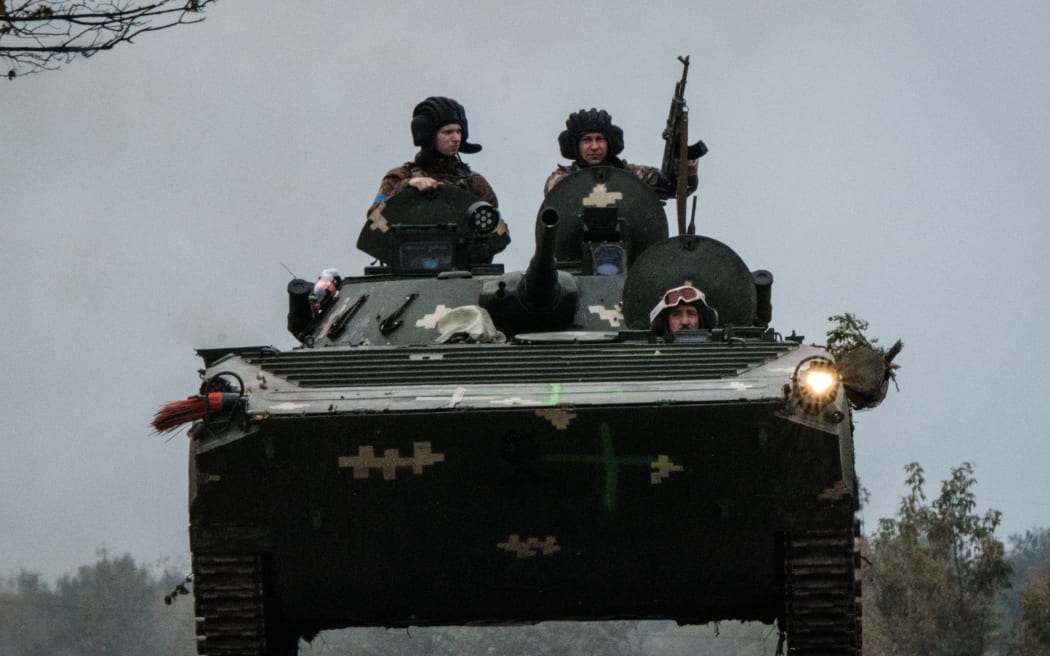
{"points": [[539, 363]]}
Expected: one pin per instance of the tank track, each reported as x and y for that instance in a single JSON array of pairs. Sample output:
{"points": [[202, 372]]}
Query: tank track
{"points": [[822, 608], [230, 605]]}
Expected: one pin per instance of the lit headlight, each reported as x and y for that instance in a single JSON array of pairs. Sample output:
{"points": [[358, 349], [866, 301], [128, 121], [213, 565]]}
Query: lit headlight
{"points": [[815, 383], [818, 381]]}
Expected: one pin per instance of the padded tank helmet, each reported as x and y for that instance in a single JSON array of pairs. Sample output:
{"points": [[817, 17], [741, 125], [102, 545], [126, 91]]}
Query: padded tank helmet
{"points": [[589, 120], [434, 113]]}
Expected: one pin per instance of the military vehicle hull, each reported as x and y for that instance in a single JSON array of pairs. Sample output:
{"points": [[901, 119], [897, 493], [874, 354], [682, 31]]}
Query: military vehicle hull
{"points": [[455, 445], [399, 486]]}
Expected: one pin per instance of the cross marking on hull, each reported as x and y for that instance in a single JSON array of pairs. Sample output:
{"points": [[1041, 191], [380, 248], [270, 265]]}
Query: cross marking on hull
{"points": [[600, 196], [530, 547], [391, 460], [611, 463], [612, 315], [559, 417], [378, 221], [662, 469]]}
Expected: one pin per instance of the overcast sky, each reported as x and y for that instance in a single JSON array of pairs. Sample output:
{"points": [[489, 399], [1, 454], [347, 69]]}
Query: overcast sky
{"points": [[888, 159]]}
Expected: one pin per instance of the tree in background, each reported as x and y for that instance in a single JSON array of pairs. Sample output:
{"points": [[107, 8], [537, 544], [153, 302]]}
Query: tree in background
{"points": [[1035, 618], [113, 607], [937, 569], [23, 624], [1030, 607], [41, 35]]}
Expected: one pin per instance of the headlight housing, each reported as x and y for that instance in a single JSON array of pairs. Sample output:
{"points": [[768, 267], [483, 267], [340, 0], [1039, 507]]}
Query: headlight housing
{"points": [[815, 383]]}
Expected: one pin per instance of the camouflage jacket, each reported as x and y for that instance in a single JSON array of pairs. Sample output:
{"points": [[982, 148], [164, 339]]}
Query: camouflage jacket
{"points": [[447, 170], [647, 174]]}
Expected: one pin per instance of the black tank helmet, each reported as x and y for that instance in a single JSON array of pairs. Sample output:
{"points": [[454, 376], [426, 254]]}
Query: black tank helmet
{"points": [[434, 113], [589, 120]]}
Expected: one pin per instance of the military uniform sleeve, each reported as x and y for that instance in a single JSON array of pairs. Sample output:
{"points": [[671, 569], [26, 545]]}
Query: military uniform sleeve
{"points": [[480, 187], [560, 173], [664, 188], [651, 176], [393, 183]]}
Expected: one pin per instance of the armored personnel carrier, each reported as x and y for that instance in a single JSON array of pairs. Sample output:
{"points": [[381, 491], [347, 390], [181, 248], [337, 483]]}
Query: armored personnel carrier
{"points": [[455, 444]]}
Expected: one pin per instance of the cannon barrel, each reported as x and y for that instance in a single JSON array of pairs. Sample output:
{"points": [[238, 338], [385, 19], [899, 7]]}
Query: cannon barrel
{"points": [[541, 298], [541, 278]]}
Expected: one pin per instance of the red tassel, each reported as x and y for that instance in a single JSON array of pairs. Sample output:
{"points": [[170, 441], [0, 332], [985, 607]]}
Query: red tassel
{"points": [[194, 408]]}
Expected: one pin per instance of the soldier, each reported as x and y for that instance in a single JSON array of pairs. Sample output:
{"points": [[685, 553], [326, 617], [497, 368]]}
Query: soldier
{"points": [[682, 308], [591, 139], [439, 128]]}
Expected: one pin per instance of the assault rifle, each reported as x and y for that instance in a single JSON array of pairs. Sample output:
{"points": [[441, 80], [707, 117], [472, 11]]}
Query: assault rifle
{"points": [[676, 145]]}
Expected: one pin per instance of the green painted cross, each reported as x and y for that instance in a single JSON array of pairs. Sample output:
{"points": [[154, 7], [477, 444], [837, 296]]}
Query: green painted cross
{"points": [[611, 464]]}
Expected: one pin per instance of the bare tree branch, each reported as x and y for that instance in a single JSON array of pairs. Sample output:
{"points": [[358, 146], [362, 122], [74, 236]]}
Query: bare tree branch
{"points": [[42, 35]]}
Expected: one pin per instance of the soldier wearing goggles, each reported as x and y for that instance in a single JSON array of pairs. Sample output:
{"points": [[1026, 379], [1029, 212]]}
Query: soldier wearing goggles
{"points": [[682, 308]]}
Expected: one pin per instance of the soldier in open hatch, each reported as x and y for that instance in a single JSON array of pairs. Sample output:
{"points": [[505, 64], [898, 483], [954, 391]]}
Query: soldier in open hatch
{"points": [[591, 139], [465, 218], [439, 128], [682, 308]]}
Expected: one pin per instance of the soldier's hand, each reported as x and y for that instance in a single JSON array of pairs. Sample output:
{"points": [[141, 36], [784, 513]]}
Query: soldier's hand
{"points": [[424, 184]]}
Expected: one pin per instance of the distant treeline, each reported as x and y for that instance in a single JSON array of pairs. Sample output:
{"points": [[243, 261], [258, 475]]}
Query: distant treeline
{"points": [[114, 607], [935, 582]]}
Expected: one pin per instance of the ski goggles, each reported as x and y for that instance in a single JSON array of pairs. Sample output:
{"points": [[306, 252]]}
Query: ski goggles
{"points": [[677, 296]]}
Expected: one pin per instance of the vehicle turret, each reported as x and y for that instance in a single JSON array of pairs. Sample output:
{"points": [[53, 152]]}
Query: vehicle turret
{"points": [[608, 218], [540, 298], [426, 232], [741, 296]]}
